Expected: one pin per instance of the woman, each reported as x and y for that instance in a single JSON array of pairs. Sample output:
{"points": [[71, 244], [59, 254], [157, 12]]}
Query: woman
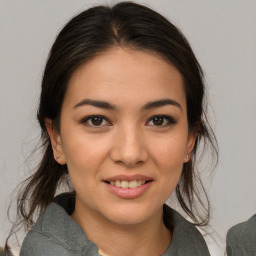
{"points": [[121, 112]]}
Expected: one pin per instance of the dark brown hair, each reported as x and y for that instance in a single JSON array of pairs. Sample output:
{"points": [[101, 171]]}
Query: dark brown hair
{"points": [[95, 30]]}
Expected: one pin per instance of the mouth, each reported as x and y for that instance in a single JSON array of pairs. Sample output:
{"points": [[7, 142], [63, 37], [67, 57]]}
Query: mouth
{"points": [[127, 184]]}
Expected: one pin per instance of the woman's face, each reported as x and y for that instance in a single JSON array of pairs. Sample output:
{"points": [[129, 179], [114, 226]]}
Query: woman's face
{"points": [[124, 134]]}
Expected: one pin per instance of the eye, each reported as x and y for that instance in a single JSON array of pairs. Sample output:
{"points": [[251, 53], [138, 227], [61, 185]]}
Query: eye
{"points": [[95, 121], [161, 120]]}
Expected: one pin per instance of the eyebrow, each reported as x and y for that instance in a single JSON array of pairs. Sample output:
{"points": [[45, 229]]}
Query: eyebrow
{"points": [[109, 106], [96, 103], [161, 103]]}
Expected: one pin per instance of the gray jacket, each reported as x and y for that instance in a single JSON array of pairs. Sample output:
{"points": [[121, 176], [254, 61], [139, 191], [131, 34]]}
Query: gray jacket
{"points": [[241, 239], [57, 234]]}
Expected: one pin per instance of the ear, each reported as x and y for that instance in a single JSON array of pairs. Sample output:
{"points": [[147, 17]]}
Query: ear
{"points": [[191, 142], [56, 142]]}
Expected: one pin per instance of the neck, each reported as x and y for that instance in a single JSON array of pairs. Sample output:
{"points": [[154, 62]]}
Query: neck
{"points": [[148, 238]]}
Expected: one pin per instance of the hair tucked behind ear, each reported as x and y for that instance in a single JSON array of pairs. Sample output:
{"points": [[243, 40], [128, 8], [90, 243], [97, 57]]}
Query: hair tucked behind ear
{"points": [[95, 30]]}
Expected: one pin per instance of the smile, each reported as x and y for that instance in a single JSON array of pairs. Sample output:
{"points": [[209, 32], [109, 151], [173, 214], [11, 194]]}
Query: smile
{"points": [[127, 184]]}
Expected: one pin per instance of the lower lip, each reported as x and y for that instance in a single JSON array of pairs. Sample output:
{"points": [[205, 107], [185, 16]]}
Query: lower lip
{"points": [[129, 193]]}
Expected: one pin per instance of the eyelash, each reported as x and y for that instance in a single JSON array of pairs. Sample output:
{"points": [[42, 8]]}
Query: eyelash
{"points": [[170, 120], [86, 119]]}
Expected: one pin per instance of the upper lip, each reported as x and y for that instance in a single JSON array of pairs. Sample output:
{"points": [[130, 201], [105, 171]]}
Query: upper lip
{"points": [[129, 177]]}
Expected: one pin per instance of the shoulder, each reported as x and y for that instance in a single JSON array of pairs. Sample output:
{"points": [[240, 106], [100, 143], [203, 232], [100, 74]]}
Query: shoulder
{"points": [[41, 242], [187, 240], [241, 238], [56, 234], [38, 244]]}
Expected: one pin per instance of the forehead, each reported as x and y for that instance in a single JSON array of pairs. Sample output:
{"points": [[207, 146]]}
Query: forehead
{"points": [[126, 75]]}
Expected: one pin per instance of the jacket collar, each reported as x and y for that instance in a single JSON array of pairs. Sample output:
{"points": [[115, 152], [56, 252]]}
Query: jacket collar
{"points": [[57, 224]]}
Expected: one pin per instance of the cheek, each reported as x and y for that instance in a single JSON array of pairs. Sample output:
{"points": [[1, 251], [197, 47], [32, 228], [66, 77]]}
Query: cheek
{"points": [[84, 154], [169, 151]]}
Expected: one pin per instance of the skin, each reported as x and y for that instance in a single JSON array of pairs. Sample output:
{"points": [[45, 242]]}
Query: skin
{"points": [[127, 142]]}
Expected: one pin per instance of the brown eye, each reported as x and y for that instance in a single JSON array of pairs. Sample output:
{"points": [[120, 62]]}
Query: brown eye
{"points": [[95, 121], [158, 120], [161, 120]]}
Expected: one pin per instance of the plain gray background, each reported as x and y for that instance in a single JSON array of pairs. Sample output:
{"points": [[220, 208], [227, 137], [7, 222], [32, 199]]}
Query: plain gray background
{"points": [[223, 36]]}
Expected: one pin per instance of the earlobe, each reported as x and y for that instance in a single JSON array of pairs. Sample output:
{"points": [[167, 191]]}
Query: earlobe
{"points": [[55, 142], [191, 143]]}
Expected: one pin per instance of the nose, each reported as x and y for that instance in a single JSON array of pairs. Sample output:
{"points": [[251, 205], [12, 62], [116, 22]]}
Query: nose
{"points": [[129, 147]]}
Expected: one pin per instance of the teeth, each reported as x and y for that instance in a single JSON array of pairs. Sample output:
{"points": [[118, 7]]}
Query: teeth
{"points": [[139, 183], [127, 184], [133, 184], [124, 184], [118, 183]]}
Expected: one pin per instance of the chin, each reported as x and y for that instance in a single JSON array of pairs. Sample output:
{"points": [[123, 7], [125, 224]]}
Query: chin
{"points": [[129, 215]]}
